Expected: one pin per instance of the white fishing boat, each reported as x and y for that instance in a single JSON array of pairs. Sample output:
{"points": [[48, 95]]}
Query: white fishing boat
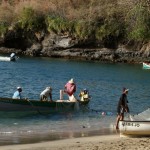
{"points": [[134, 128], [137, 125]]}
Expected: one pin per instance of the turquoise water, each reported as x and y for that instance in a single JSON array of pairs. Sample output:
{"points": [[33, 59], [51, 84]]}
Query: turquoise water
{"points": [[103, 80]]}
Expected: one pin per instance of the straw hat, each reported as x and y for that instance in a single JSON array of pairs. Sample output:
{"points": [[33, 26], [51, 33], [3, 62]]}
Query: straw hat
{"points": [[125, 90]]}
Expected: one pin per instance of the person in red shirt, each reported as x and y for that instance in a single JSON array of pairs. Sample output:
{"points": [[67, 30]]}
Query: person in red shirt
{"points": [[70, 89]]}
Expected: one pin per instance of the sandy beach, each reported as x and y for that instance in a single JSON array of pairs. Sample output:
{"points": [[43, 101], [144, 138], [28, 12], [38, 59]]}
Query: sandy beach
{"points": [[104, 142]]}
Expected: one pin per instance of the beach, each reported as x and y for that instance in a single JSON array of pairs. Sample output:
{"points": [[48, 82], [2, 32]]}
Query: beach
{"points": [[103, 142]]}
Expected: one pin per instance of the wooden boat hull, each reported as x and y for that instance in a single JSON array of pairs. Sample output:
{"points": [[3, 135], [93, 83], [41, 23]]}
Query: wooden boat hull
{"points": [[23, 105], [146, 66], [134, 128]]}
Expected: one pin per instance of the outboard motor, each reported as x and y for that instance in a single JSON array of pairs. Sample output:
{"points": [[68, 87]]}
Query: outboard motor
{"points": [[13, 57]]}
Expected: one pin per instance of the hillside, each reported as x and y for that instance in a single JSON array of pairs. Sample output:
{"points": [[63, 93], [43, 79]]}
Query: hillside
{"points": [[40, 27]]}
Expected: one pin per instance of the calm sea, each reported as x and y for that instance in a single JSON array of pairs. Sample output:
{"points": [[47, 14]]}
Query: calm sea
{"points": [[103, 80]]}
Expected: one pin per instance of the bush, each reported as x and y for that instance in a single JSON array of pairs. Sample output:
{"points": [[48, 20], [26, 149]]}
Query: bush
{"points": [[30, 20], [3, 28], [59, 25], [138, 23]]}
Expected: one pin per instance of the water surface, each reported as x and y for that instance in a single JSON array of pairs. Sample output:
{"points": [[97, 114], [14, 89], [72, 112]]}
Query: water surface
{"points": [[103, 80]]}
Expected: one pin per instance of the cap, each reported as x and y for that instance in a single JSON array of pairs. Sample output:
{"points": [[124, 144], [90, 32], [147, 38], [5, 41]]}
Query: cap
{"points": [[19, 88], [49, 88]]}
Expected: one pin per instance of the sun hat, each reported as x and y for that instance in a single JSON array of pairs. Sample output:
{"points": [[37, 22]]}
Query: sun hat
{"points": [[71, 81], [125, 90]]}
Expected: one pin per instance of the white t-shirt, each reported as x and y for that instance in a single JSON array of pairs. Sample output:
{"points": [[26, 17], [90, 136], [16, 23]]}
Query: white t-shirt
{"points": [[46, 92]]}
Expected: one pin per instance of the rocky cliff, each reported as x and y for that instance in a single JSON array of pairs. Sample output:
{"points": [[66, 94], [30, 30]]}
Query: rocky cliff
{"points": [[63, 46]]}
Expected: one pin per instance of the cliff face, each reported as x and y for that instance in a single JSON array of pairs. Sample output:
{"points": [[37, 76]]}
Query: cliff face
{"points": [[63, 46]]}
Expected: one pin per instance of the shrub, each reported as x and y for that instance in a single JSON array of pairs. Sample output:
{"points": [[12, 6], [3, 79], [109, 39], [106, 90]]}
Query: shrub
{"points": [[59, 25], [110, 27], [138, 23], [30, 20], [3, 28], [82, 29]]}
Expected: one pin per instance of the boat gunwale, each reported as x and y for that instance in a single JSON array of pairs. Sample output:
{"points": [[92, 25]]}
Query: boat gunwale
{"points": [[142, 121]]}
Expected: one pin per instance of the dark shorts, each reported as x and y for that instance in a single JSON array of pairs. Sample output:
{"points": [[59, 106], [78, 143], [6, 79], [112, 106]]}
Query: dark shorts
{"points": [[121, 110]]}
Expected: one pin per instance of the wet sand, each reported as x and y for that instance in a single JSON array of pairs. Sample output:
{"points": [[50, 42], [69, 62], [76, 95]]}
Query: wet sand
{"points": [[103, 142]]}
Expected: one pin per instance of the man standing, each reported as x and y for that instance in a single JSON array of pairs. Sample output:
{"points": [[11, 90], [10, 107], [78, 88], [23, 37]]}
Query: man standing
{"points": [[70, 89], [122, 107]]}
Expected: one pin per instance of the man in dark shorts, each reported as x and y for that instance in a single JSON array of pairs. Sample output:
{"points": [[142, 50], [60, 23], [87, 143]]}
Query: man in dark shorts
{"points": [[122, 107]]}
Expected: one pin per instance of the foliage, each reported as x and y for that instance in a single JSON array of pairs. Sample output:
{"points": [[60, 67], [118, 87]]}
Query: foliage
{"points": [[82, 29], [58, 25], [138, 23], [3, 28], [97, 19], [30, 20], [110, 27]]}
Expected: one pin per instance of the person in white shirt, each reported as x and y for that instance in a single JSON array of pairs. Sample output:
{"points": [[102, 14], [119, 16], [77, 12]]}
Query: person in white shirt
{"points": [[17, 94], [47, 93]]}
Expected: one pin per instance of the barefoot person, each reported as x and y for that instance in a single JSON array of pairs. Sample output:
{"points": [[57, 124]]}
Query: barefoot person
{"points": [[122, 107]]}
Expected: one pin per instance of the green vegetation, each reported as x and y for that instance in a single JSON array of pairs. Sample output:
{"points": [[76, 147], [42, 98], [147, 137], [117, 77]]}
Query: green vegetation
{"points": [[120, 20], [30, 20]]}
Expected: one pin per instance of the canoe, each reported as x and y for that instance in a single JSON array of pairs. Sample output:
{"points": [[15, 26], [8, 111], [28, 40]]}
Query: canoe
{"points": [[25, 105], [134, 128], [146, 65]]}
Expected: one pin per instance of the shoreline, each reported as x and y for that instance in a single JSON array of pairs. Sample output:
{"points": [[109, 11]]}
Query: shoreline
{"points": [[31, 137], [106, 142]]}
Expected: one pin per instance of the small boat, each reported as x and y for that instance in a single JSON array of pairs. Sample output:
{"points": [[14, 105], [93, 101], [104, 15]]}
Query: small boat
{"points": [[37, 106], [5, 58], [137, 125], [146, 65], [134, 128], [12, 57]]}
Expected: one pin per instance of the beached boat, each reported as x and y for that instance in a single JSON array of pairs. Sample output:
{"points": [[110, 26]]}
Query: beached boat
{"points": [[146, 65], [134, 128], [26, 105]]}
